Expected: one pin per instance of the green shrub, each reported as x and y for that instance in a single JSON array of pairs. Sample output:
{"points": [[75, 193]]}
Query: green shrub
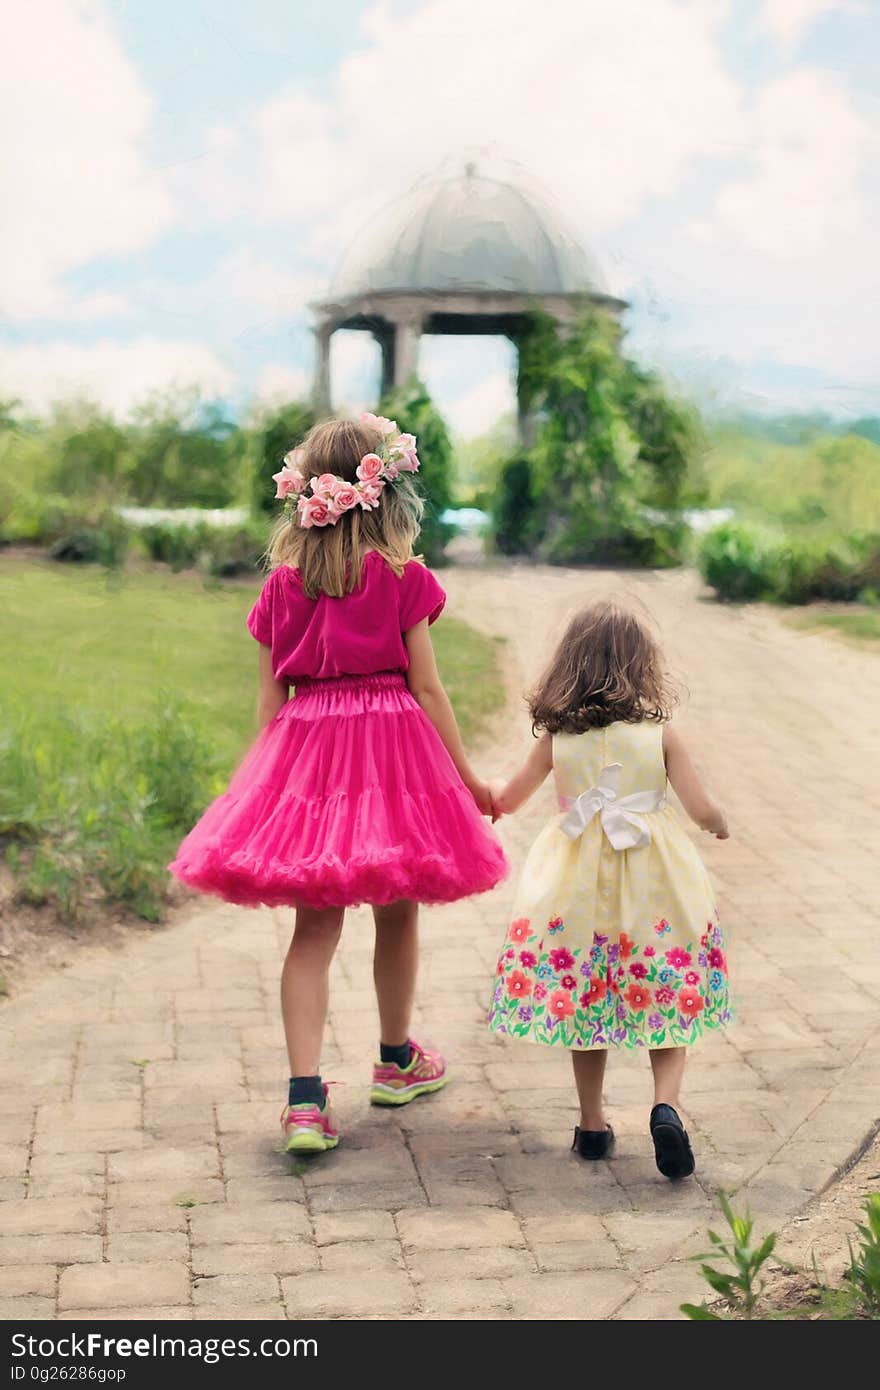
{"points": [[744, 561], [273, 438], [235, 549], [415, 412], [174, 545], [85, 538], [221, 551], [737, 560], [513, 508]]}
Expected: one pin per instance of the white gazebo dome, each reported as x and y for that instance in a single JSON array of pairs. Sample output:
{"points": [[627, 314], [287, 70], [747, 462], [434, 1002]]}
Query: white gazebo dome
{"points": [[478, 225]]}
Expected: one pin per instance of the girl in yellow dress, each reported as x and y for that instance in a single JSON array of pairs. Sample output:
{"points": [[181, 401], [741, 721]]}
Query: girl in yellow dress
{"points": [[615, 940]]}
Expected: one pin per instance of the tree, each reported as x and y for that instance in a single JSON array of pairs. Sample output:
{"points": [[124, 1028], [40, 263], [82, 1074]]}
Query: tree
{"points": [[277, 433], [415, 412], [610, 447], [89, 450], [179, 455]]}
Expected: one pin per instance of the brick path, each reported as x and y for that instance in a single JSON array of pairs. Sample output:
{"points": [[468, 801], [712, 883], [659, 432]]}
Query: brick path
{"points": [[138, 1167]]}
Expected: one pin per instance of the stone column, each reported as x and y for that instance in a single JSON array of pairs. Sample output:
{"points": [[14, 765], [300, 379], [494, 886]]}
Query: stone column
{"points": [[321, 397], [385, 336], [405, 353]]}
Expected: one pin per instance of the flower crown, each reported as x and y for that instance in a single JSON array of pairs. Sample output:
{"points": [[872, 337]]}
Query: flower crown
{"points": [[332, 496]]}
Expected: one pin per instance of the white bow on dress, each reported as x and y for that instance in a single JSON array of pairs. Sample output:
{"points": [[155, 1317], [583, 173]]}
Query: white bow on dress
{"points": [[622, 817]]}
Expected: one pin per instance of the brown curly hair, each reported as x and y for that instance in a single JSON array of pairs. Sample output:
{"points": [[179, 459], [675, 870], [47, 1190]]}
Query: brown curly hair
{"points": [[607, 668]]}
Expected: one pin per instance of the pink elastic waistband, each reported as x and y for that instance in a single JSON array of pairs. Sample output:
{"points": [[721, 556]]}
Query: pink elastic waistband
{"points": [[377, 680]]}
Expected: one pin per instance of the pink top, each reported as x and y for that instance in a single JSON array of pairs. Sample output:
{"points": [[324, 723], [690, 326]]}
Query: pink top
{"points": [[355, 635]]}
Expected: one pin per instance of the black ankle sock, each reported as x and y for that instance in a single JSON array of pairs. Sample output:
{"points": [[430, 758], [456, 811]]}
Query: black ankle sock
{"points": [[306, 1090], [401, 1055]]}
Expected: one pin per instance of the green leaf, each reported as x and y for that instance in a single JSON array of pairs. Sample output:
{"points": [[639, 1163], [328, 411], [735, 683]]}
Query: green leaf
{"points": [[698, 1312], [721, 1283]]}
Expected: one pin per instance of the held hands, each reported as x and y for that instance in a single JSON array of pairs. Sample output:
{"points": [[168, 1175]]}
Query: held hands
{"points": [[482, 795]]}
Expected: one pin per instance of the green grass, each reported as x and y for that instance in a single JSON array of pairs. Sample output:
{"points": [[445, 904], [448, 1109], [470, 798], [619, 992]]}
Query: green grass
{"points": [[860, 628], [129, 697]]}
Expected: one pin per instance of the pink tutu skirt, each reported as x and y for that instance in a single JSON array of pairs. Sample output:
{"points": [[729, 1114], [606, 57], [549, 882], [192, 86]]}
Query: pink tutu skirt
{"points": [[347, 797]]}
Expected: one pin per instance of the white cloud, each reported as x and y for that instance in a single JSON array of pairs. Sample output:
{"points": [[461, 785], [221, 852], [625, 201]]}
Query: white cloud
{"points": [[117, 375], [788, 21], [259, 283], [810, 148], [608, 104], [74, 117], [278, 384]]}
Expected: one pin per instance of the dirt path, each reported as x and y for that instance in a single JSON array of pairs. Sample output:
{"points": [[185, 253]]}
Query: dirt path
{"points": [[142, 1088]]}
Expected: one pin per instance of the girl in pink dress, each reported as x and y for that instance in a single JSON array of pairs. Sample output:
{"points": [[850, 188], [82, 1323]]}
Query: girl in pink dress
{"points": [[358, 789]]}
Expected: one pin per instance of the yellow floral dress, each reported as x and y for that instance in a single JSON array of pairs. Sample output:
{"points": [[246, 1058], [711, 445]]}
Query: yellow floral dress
{"points": [[615, 939]]}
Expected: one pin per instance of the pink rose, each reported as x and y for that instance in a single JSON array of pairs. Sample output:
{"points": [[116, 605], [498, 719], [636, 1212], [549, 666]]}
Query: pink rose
{"points": [[294, 457], [403, 443], [369, 467], [327, 484], [408, 462], [370, 494], [381, 423], [288, 480], [392, 469], [314, 511], [345, 498]]}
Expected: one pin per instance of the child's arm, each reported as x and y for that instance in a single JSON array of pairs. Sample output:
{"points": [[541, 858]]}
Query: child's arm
{"points": [[688, 787], [526, 782], [273, 694], [426, 688]]}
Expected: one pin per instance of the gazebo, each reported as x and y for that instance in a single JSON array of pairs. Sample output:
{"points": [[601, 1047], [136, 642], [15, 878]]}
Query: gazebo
{"points": [[470, 249]]}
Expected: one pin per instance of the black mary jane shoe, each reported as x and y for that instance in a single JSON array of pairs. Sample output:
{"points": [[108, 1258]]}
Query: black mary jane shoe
{"points": [[672, 1148], [593, 1143]]}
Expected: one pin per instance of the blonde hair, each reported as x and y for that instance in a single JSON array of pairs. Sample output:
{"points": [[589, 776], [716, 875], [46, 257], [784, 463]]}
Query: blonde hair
{"points": [[608, 667], [330, 558]]}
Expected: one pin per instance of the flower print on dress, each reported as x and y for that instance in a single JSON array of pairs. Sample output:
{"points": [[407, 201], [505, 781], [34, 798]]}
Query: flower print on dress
{"points": [[678, 957], [638, 997], [638, 970], [559, 1005], [528, 959], [561, 959], [555, 925], [519, 986], [691, 1002], [519, 930], [568, 982]]}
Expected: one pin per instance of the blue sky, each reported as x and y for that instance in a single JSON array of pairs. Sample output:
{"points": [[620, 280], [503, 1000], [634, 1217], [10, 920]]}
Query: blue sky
{"points": [[192, 173]]}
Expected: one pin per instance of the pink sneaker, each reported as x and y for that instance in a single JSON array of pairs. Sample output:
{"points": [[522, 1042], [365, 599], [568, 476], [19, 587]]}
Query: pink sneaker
{"points": [[307, 1129], [394, 1085]]}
